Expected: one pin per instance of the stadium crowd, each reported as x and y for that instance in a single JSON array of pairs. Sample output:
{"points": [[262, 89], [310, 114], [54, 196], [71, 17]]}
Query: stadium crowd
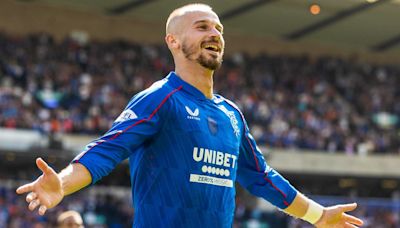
{"points": [[97, 210], [101, 210], [325, 104]]}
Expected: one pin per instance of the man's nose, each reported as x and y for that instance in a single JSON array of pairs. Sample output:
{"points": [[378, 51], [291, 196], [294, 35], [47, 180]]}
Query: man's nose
{"points": [[216, 33]]}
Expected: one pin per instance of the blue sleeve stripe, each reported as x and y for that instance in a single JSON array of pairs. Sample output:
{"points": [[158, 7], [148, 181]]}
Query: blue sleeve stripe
{"points": [[134, 124], [255, 156]]}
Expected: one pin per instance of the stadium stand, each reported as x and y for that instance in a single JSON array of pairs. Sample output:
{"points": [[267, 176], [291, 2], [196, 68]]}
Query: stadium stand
{"points": [[307, 111], [291, 102], [324, 104]]}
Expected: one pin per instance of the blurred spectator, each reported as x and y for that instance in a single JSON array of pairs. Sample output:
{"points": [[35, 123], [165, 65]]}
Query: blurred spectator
{"points": [[95, 213], [70, 219]]}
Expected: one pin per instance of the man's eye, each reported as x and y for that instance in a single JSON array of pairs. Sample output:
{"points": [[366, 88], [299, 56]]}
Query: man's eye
{"points": [[203, 27]]}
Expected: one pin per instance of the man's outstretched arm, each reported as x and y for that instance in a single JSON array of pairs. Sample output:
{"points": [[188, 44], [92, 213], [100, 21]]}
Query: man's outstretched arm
{"points": [[49, 189], [261, 180]]}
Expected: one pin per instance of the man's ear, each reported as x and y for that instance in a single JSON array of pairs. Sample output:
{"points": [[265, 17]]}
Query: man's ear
{"points": [[172, 42]]}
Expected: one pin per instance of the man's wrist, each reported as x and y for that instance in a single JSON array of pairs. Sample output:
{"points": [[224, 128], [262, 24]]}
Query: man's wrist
{"points": [[314, 212]]}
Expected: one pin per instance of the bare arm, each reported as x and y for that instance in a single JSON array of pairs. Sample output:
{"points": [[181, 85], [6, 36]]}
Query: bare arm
{"points": [[298, 207], [74, 177], [328, 217], [49, 189]]}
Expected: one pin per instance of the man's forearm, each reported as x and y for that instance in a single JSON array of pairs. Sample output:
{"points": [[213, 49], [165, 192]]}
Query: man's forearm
{"points": [[301, 206], [298, 207], [74, 177]]}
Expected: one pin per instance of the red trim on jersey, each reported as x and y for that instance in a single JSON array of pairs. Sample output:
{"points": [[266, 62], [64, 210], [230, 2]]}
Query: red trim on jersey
{"points": [[244, 132], [136, 123], [265, 174], [265, 177], [252, 149], [276, 188]]}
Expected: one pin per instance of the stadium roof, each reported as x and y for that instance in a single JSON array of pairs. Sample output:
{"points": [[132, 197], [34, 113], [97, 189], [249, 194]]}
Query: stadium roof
{"points": [[371, 25]]}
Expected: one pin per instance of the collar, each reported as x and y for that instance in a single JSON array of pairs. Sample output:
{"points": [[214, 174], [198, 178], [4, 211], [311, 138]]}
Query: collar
{"points": [[176, 81]]}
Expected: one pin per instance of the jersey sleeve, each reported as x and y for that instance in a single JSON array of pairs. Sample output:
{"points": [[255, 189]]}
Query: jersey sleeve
{"points": [[258, 178], [141, 119]]}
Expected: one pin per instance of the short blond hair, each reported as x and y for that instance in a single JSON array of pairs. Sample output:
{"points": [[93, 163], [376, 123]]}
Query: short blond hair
{"points": [[63, 217], [194, 7]]}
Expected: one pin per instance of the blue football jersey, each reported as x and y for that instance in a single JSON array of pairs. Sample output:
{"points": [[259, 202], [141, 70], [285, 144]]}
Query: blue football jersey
{"points": [[185, 153]]}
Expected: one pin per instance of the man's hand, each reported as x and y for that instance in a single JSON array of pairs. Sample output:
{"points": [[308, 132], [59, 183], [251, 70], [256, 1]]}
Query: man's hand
{"points": [[336, 217], [46, 191]]}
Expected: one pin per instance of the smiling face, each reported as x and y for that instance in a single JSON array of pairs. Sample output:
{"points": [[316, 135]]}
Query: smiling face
{"points": [[197, 36]]}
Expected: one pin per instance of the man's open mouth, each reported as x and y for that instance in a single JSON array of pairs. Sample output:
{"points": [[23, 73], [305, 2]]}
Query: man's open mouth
{"points": [[212, 47]]}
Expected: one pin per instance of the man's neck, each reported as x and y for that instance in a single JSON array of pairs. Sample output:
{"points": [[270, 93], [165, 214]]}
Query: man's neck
{"points": [[197, 76]]}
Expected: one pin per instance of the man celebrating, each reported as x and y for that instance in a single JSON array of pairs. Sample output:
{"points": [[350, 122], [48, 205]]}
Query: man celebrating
{"points": [[186, 146]]}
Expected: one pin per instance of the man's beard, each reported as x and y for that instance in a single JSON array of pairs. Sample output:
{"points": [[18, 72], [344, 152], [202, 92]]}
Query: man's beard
{"points": [[209, 63]]}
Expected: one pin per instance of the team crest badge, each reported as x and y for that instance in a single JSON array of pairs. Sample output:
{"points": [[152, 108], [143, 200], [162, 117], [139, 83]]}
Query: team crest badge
{"points": [[212, 125]]}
